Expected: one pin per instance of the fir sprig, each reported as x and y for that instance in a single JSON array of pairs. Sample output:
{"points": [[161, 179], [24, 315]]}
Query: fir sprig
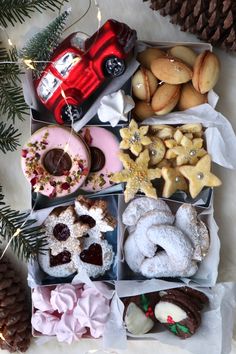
{"points": [[12, 103], [8, 138], [41, 46], [29, 241], [13, 11]]}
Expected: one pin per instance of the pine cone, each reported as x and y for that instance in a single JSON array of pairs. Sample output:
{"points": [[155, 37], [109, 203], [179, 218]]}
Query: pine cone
{"points": [[211, 20], [15, 327]]}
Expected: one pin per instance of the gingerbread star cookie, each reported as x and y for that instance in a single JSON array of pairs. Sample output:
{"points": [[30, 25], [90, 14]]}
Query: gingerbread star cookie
{"points": [[200, 176], [173, 181], [134, 138], [94, 212], [63, 231], [137, 175], [188, 152]]}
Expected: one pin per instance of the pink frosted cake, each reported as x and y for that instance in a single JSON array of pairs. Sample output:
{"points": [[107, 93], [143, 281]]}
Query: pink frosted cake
{"points": [[55, 161], [104, 147]]}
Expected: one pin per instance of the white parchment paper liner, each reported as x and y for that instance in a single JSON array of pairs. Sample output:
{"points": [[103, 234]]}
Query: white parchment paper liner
{"points": [[208, 269], [215, 333], [220, 136]]}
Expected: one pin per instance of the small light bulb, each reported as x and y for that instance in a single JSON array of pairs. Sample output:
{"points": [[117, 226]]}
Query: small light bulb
{"points": [[63, 94], [10, 42], [18, 231], [28, 62]]}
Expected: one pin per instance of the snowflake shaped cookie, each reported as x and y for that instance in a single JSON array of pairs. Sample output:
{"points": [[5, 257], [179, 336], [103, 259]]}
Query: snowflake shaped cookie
{"points": [[134, 138], [64, 231], [137, 175], [95, 213]]}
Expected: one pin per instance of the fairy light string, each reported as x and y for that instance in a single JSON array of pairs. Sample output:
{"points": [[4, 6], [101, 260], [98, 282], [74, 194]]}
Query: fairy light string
{"points": [[29, 65]]}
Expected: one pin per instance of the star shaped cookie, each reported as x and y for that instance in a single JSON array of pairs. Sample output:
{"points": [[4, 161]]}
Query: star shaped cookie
{"points": [[188, 152], [134, 138], [200, 176], [173, 181], [137, 175], [63, 231]]}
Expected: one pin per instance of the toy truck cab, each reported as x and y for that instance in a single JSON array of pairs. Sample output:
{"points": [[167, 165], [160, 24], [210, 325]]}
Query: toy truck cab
{"points": [[78, 69]]}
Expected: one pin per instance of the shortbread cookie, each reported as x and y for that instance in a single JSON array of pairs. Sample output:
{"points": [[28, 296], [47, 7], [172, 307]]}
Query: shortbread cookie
{"points": [[139, 206], [96, 257], [157, 151], [145, 245], [200, 176], [94, 212], [186, 219], [137, 175], [134, 138], [191, 128], [188, 152], [64, 231], [174, 181]]}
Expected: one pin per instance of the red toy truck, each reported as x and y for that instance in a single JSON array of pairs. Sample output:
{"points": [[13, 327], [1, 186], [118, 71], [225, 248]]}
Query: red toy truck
{"points": [[76, 73]]}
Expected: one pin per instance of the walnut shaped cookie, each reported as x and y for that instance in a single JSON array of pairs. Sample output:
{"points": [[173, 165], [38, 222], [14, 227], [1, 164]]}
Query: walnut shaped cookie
{"points": [[95, 213]]}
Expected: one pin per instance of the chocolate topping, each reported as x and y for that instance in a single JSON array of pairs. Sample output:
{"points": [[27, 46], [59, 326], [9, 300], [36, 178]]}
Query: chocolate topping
{"points": [[61, 232], [61, 258], [93, 255], [56, 162], [97, 159], [88, 220]]}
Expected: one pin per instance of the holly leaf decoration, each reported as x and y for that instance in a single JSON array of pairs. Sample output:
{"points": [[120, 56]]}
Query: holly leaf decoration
{"points": [[173, 328], [183, 328], [144, 302]]}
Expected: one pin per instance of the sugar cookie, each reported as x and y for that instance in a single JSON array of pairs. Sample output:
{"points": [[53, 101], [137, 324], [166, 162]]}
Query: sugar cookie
{"points": [[200, 176], [174, 181]]}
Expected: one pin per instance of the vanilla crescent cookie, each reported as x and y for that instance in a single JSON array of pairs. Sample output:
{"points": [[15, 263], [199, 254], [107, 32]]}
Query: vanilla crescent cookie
{"points": [[186, 219], [134, 258], [145, 245], [176, 245], [95, 213], [139, 206]]}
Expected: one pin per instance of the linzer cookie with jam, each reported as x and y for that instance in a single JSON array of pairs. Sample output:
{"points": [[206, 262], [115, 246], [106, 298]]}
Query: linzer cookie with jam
{"points": [[76, 239]]}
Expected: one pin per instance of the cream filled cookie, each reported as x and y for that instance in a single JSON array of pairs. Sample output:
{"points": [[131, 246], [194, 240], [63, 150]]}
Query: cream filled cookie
{"points": [[96, 257], [55, 161], [104, 148]]}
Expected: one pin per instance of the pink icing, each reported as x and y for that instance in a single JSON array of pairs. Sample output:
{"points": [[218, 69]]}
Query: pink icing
{"points": [[69, 329], [92, 311], [108, 143], [63, 298], [45, 323], [48, 138], [41, 298]]}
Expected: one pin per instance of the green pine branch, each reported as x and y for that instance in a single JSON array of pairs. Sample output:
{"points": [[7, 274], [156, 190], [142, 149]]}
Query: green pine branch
{"points": [[29, 241], [8, 138], [13, 11], [41, 46], [12, 103]]}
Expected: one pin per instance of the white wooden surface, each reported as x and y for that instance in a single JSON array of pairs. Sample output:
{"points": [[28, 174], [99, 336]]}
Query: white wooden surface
{"points": [[150, 26]]}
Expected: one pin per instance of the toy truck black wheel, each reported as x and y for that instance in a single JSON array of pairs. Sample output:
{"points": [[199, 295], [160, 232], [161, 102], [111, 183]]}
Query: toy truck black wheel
{"points": [[114, 67], [71, 113]]}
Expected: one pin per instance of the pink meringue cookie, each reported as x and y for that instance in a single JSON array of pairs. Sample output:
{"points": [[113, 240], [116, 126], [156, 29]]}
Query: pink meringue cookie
{"points": [[69, 328], [41, 298], [45, 323], [63, 298], [92, 311]]}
